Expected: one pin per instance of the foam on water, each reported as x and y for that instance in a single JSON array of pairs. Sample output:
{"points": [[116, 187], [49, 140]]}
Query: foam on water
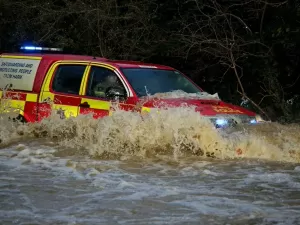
{"points": [[49, 189], [50, 172], [175, 132], [182, 94]]}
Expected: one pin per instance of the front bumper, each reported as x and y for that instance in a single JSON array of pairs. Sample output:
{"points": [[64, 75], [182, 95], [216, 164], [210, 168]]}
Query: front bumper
{"points": [[224, 121]]}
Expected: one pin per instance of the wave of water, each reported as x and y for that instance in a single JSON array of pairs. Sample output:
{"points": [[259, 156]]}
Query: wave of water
{"points": [[173, 134], [39, 187], [156, 169]]}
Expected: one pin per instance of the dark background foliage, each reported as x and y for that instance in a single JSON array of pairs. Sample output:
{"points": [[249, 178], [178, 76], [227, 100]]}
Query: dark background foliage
{"points": [[247, 51]]}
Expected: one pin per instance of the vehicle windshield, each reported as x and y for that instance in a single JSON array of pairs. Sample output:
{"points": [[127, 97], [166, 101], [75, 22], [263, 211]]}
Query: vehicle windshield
{"points": [[146, 81]]}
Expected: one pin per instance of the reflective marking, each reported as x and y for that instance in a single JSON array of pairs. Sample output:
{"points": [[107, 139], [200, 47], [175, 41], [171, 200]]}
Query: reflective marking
{"points": [[16, 106], [66, 111], [47, 97], [145, 110], [20, 57], [31, 98], [97, 103], [84, 80]]}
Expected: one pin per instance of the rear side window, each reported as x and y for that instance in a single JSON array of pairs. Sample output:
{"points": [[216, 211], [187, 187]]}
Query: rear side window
{"points": [[67, 78]]}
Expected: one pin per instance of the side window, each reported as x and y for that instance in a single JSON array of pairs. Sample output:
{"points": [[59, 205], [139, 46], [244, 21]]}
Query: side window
{"points": [[100, 82], [67, 78]]}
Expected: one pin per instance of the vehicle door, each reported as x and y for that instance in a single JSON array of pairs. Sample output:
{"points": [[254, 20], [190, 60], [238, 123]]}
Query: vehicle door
{"points": [[103, 90], [61, 88]]}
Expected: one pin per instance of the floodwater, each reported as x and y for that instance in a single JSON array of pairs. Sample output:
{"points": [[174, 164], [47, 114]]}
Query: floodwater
{"points": [[166, 168]]}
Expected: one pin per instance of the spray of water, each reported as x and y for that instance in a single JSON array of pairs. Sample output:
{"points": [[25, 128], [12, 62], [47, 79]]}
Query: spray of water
{"points": [[173, 132]]}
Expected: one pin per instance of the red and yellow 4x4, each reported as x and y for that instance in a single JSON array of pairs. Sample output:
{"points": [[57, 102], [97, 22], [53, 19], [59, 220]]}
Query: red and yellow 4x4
{"points": [[36, 83]]}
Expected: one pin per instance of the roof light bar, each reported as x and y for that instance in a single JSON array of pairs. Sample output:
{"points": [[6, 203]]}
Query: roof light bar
{"points": [[34, 48]]}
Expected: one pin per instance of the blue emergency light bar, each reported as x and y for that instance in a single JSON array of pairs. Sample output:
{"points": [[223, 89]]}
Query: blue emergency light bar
{"points": [[34, 48]]}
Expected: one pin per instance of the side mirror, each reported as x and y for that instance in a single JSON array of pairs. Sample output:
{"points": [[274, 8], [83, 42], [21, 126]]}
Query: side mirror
{"points": [[116, 93]]}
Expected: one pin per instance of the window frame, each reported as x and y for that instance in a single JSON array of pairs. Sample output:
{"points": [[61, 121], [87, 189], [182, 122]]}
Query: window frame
{"points": [[67, 63], [112, 69]]}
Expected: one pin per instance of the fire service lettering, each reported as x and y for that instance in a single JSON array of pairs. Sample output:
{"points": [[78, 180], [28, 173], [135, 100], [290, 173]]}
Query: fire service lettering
{"points": [[223, 109]]}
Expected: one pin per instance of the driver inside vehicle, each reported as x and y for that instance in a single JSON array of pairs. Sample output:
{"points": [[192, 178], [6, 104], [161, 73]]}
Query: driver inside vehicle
{"points": [[101, 88]]}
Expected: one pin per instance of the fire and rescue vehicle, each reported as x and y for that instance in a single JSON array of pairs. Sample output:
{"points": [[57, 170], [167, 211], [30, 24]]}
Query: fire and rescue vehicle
{"points": [[35, 82]]}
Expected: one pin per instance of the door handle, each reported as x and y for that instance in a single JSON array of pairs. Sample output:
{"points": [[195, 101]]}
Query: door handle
{"points": [[84, 105]]}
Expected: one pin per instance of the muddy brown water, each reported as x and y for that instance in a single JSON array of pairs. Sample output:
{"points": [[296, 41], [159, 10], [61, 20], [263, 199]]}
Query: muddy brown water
{"points": [[166, 168]]}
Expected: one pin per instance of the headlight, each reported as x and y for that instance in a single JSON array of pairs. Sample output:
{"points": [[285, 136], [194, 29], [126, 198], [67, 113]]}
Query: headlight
{"points": [[235, 120], [221, 122]]}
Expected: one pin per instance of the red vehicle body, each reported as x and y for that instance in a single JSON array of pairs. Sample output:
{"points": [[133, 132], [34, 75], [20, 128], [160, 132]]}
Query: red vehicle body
{"points": [[34, 84]]}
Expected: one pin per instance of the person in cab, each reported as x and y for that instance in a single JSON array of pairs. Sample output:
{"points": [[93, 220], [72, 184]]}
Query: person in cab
{"points": [[102, 87]]}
